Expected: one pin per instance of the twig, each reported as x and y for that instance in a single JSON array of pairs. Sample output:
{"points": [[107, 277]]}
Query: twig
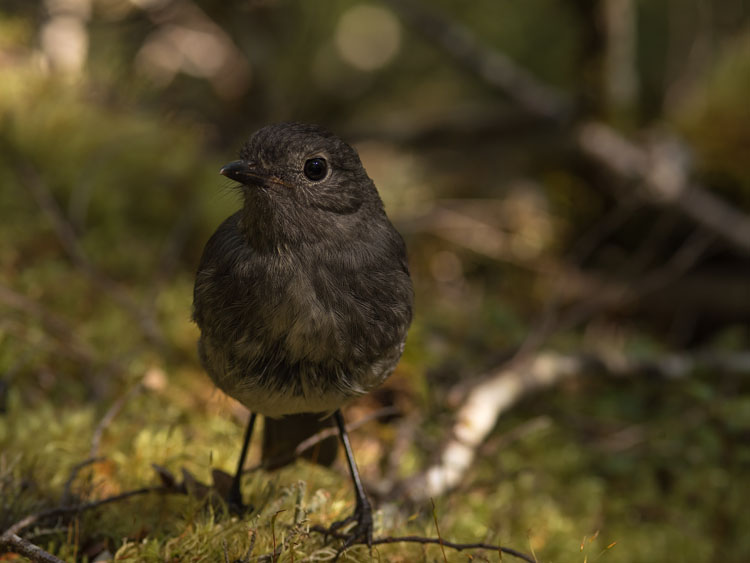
{"points": [[686, 256], [493, 67], [455, 545], [12, 540], [663, 176], [74, 509], [504, 387], [608, 295], [437, 529], [73, 474], [24, 547], [109, 416], [273, 534], [10, 537], [605, 226], [437, 541]]}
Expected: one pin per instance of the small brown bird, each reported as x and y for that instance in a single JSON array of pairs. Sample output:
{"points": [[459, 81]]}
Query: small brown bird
{"points": [[303, 297]]}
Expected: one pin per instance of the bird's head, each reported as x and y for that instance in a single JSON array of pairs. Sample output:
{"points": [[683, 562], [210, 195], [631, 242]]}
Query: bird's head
{"points": [[295, 166]]}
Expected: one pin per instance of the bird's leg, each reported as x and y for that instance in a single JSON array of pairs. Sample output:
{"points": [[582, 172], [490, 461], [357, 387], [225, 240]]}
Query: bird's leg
{"points": [[235, 493], [363, 511]]}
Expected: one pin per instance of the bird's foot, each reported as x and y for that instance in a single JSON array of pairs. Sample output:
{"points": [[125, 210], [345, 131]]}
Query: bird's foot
{"points": [[228, 488], [237, 507], [235, 503], [361, 532]]}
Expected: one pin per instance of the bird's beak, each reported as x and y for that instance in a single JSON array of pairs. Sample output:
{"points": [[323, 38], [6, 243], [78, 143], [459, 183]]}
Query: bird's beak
{"points": [[243, 172]]}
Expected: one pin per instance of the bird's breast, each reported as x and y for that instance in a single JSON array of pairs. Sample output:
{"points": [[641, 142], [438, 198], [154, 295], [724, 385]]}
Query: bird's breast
{"points": [[309, 328]]}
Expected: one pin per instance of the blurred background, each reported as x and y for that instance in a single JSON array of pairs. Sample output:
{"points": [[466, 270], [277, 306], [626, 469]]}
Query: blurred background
{"points": [[572, 178]]}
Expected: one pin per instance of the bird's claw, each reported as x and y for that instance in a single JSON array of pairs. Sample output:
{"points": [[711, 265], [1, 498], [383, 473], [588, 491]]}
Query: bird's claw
{"points": [[228, 489], [236, 505], [238, 508], [362, 530]]}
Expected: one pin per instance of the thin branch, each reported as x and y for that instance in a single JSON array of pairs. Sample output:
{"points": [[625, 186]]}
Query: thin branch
{"points": [[74, 473], [455, 545], [493, 67], [32, 519], [11, 539], [602, 228], [24, 547], [506, 386], [663, 177], [609, 295], [109, 416], [437, 529], [436, 541]]}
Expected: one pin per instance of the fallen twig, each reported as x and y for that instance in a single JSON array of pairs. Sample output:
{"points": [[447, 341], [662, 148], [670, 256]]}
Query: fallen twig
{"points": [[11, 540], [503, 388], [436, 541], [73, 474], [24, 547], [32, 519], [109, 416]]}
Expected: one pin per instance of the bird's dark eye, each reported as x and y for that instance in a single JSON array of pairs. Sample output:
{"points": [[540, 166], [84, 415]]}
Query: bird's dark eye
{"points": [[316, 169]]}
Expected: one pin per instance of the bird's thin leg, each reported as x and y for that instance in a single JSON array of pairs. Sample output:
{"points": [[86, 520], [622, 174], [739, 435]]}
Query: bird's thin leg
{"points": [[235, 494], [363, 511]]}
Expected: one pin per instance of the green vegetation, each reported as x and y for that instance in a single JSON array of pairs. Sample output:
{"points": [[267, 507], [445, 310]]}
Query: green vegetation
{"points": [[109, 189]]}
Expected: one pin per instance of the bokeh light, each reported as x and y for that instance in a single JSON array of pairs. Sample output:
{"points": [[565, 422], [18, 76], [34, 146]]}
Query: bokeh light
{"points": [[368, 37]]}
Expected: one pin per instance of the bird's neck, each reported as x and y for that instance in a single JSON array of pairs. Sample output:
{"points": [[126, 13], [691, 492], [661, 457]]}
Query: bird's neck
{"points": [[271, 226], [260, 223]]}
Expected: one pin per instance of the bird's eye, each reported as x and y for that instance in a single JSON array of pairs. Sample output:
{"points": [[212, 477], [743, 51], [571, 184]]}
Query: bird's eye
{"points": [[316, 169]]}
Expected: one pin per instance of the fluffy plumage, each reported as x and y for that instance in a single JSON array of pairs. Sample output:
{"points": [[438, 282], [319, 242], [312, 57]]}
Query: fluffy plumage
{"points": [[303, 297]]}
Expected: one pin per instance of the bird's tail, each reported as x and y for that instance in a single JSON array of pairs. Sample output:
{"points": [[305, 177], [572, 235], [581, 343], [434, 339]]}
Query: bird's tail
{"points": [[281, 436]]}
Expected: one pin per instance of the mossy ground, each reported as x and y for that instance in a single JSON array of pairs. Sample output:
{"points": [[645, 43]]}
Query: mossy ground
{"points": [[659, 475]]}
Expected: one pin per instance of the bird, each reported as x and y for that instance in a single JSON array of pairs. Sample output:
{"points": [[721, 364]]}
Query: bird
{"points": [[303, 296]]}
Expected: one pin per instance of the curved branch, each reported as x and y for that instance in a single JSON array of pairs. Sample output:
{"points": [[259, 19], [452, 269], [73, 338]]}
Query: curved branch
{"points": [[436, 541], [662, 174], [24, 547], [487, 401], [491, 66]]}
